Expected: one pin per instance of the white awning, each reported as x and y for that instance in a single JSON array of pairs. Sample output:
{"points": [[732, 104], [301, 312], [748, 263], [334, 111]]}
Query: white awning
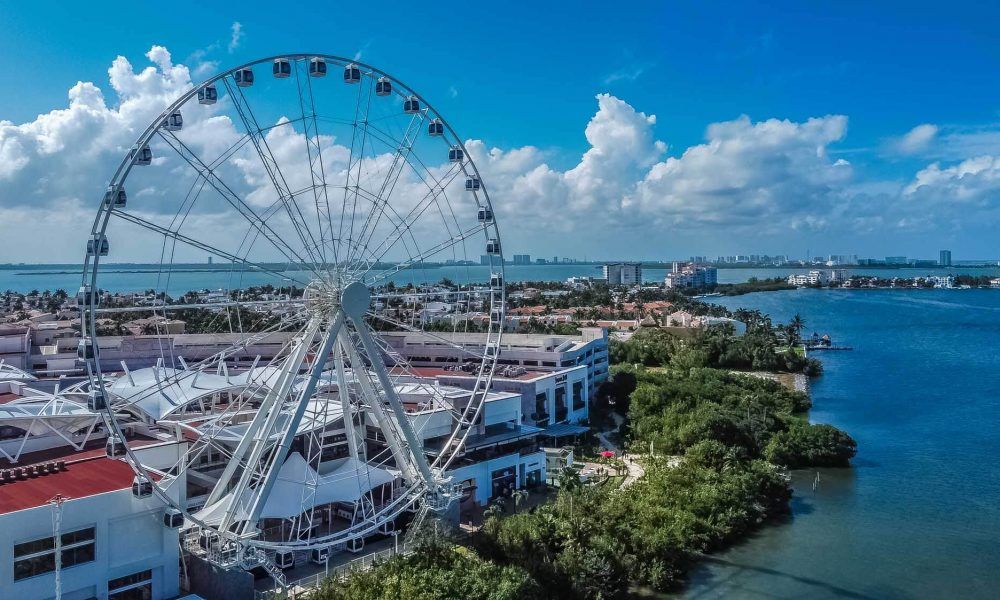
{"points": [[42, 415], [318, 414], [160, 391], [299, 487], [9, 372]]}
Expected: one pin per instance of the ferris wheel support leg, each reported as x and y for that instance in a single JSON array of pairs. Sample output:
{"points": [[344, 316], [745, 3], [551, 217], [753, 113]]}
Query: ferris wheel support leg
{"points": [[416, 448], [385, 422], [257, 433], [343, 391], [263, 489]]}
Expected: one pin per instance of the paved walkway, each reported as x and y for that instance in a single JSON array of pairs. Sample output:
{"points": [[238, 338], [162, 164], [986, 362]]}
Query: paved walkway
{"points": [[635, 470]]}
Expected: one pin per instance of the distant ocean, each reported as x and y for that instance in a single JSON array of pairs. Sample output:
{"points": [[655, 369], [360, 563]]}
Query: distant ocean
{"points": [[919, 513], [133, 278]]}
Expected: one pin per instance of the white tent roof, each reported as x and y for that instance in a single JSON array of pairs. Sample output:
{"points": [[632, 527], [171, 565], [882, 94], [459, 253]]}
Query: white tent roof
{"points": [[347, 482], [318, 414], [32, 415], [9, 372], [159, 391]]}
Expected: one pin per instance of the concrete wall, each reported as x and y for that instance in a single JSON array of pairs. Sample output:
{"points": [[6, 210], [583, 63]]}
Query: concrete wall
{"points": [[481, 472], [129, 538]]}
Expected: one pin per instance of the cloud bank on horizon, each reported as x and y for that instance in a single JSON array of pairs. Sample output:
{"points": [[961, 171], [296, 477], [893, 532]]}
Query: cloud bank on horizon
{"points": [[628, 195]]}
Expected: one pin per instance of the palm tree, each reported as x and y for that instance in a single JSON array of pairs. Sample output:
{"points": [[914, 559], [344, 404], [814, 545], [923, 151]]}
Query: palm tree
{"points": [[796, 324]]}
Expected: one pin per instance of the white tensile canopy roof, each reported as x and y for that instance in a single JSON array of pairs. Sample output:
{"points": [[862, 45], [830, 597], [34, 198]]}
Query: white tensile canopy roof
{"points": [[9, 372], [44, 414], [41, 415], [347, 482], [318, 414], [160, 391]]}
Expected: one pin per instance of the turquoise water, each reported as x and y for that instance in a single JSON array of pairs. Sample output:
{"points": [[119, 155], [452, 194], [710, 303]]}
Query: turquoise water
{"points": [[130, 279], [919, 514]]}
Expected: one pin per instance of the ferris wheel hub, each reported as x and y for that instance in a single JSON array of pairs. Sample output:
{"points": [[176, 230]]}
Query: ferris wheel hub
{"points": [[355, 299]]}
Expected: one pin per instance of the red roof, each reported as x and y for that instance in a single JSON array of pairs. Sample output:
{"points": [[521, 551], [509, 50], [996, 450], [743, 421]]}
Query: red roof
{"points": [[93, 449], [87, 477]]}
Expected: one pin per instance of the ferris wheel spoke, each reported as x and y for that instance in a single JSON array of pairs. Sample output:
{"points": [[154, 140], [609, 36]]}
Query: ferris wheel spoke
{"points": [[314, 154], [360, 161], [424, 333], [201, 305], [400, 160], [200, 245], [405, 228], [436, 183], [399, 417], [403, 149], [420, 257], [382, 204], [350, 168], [208, 172], [273, 170]]}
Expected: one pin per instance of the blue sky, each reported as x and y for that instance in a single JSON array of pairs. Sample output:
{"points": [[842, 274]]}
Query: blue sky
{"points": [[525, 74]]}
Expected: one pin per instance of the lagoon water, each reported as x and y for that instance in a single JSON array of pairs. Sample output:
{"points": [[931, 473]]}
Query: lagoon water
{"points": [[918, 516]]}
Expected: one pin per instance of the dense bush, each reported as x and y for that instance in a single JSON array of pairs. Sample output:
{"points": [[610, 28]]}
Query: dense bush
{"points": [[437, 570], [809, 445], [762, 348], [595, 543], [675, 409]]}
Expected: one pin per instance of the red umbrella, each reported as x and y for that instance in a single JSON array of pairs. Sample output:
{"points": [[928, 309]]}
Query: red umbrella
{"points": [[608, 454]]}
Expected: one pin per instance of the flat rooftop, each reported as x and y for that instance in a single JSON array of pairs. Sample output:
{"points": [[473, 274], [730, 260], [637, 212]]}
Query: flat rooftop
{"points": [[93, 449], [82, 478], [435, 372]]}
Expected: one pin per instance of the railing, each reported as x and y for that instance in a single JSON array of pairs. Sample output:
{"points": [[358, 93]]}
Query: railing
{"points": [[301, 588]]}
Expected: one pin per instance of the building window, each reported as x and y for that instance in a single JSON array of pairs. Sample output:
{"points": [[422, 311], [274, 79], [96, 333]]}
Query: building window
{"points": [[137, 586], [578, 402], [503, 481], [38, 557]]}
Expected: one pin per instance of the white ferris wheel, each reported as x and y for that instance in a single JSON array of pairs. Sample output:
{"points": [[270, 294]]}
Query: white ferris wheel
{"points": [[323, 193]]}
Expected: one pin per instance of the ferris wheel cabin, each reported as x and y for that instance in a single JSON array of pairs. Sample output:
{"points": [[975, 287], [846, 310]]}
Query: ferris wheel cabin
{"points": [[208, 95], [141, 156], [352, 74], [411, 105], [243, 77], [115, 198], [281, 68], [435, 128], [383, 87], [317, 67], [174, 121]]}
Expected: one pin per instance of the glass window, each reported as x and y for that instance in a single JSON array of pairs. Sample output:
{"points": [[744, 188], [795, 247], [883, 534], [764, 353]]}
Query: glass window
{"points": [[137, 586], [38, 557]]}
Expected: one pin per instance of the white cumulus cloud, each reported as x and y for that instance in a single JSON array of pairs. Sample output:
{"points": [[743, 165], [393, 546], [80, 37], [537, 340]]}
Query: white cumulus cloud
{"points": [[917, 139], [747, 177]]}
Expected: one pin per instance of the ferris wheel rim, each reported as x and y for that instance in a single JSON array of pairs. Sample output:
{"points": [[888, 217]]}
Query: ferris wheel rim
{"points": [[121, 176]]}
